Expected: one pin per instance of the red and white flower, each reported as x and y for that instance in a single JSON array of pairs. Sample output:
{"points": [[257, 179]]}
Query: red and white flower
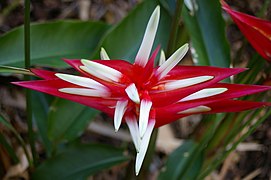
{"points": [[144, 96]]}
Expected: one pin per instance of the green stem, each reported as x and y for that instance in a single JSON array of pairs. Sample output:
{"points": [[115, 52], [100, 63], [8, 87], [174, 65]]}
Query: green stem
{"points": [[174, 27], [28, 92]]}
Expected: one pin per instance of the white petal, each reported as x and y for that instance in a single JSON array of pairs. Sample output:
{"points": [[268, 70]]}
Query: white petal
{"points": [[80, 81], [144, 146], [191, 5], [144, 112], [132, 93], [186, 82], [133, 127], [162, 58], [188, 4], [104, 55], [85, 92], [101, 71], [172, 61], [119, 112], [148, 39], [197, 109], [204, 93]]}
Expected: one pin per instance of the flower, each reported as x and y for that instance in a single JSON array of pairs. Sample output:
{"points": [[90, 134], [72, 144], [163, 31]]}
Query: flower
{"points": [[257, 31], [145, 96]]}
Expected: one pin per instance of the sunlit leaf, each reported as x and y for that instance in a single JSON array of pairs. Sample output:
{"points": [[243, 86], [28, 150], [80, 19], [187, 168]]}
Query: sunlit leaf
{"points": [[207, 31], [52, 41]]}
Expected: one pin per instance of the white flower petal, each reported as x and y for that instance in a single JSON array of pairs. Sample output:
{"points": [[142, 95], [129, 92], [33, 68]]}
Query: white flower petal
{"points": [[85, 92], [119, 112], [132, 93], [171, 85], [191, 5], [162, 58], [144, 112], [172, 61], [104, 55], [197, 109], [133, 127], [101, 71], [80, 81], [144, 146], [204, 93], [148, 39]]}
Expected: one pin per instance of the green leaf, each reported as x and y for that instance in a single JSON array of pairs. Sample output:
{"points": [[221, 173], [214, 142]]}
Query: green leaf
{"points": [[183, 163], [123, 41], [9, 69], [40, 115], [52, 41], [67, 119], [207, 31], [79, 161], [169, 5]]}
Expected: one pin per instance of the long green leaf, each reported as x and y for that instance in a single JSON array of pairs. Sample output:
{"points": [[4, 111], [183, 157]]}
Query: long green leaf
{"points": [[179, 164], [79, 161], [40, 116], [207, 31], [123, 41], [52, 41], [67, 120]]}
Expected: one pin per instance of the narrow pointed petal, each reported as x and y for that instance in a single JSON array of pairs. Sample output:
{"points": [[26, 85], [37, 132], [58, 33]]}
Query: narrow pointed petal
{"points": [[52, 87], [172, 61], [171, 85], [145, 107], [44, 74], [101, 71], [198, 109], [132, 93], [133, 128], [191, 5], [119, 65], [80, 81], [85, 92], [236, 106], [256, 30], [164, 98], [104, 55], [148, 39], [162, 58], [119, 112], [169, 114], [204, 93], [144, 146]]}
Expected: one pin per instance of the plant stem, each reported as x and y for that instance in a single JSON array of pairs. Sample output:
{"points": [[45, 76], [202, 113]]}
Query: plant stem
{"points": [[174, 27], [28, 92]]}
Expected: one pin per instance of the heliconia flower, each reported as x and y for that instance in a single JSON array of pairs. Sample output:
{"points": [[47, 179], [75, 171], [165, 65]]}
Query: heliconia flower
{"points": [[144, 96], [257, 31]]}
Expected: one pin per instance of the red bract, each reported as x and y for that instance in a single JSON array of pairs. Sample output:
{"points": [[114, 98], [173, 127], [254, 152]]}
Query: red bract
{"points": [[145, 96], [257, 31]]}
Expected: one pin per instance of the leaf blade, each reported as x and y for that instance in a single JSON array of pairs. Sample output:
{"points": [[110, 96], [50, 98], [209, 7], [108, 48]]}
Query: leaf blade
{"points": [[79, 161], [52, 41]]}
